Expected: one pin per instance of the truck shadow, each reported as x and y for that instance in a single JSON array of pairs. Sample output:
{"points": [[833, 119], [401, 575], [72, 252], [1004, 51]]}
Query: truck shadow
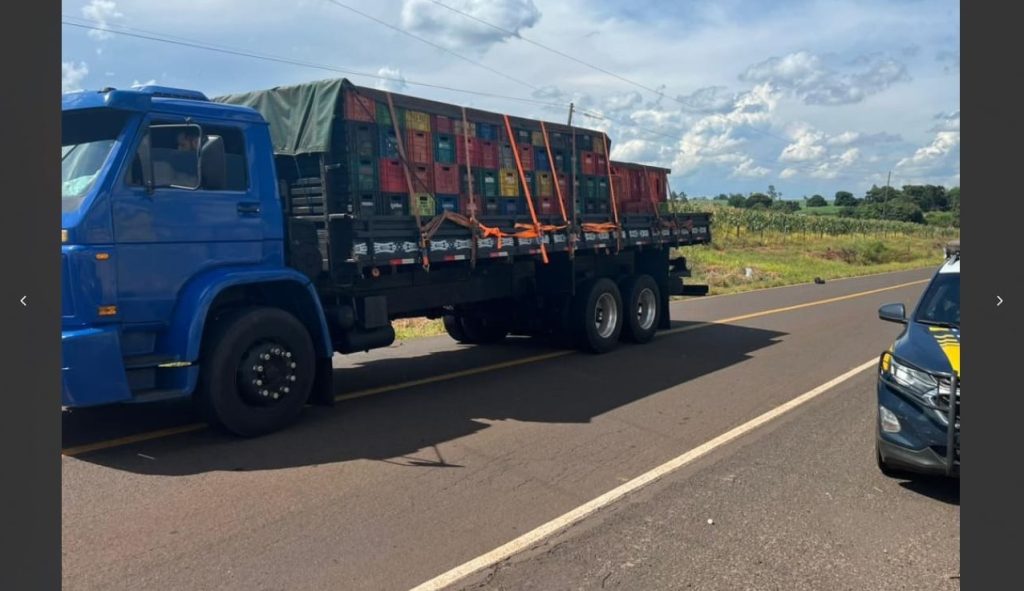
{"points": [[405, 426]]}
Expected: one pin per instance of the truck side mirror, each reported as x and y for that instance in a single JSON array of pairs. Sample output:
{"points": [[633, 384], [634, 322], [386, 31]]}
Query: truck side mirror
{"points": [[893, 313]]}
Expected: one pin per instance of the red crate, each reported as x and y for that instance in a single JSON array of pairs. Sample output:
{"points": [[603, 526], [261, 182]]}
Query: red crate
{"points": [[359, 108], [588, 163], [656, 186], [488, 154], [526, 154], [547, 205], [446, 178], [460, 150], [419, 146], [423, 178], [600, 164], [392, 176], [563, 184], [442, 124], [619, 184]]}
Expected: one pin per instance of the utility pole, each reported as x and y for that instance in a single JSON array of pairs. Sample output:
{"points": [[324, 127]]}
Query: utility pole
{"points": [[572, 107], [885, 202]]}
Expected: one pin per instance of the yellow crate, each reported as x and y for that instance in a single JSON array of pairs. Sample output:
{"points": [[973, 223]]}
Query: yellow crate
{"points": [[457, 128], [598, 144], [417, 120], [422, 202], [509, 180], [538, 138]]}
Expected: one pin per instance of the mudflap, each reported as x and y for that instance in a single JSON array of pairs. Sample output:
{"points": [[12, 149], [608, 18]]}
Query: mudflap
{"points": [[323, 383]]}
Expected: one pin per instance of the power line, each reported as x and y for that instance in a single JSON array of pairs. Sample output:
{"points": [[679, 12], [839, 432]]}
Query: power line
{"points": [[517, 35], [185, 42], [582, 62], [432, 44], [180, 41]]}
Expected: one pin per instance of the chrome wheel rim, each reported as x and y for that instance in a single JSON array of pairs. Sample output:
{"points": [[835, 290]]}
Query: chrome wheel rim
{"points": [[606, 315], [647, 308]]}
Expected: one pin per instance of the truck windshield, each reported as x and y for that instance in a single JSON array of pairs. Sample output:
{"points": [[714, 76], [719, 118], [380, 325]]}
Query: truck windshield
{"points": [[940, 305], [87, 138]]}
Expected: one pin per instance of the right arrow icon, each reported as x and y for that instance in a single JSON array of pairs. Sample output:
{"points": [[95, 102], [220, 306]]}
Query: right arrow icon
{"points": [[999, 301]]}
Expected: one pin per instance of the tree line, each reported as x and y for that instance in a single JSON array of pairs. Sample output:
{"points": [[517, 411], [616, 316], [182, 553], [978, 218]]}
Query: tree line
{"points": [[918, 204]]}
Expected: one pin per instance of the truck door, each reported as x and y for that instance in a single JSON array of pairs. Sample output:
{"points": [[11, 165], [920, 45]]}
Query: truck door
{"points": [[195, 207]]}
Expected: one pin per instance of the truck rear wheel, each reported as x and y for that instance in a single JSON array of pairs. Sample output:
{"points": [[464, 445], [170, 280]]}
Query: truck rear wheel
{"points": [[597, 315], [642, 304], [256, 371]]}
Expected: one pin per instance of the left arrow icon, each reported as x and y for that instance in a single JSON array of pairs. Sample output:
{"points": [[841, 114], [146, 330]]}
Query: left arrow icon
{"points": [[23, 301]]}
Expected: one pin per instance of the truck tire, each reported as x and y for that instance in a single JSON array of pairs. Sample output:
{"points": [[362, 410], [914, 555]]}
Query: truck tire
{"points": [[453, 326], [475, 330], [597, 315], [256, 371], [642, 305]]}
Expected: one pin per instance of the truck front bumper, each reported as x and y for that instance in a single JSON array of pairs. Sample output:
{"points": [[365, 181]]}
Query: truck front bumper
{"points": [[92, 370]]}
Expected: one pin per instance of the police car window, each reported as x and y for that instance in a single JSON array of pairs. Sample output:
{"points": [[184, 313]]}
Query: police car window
{"points": [[941, 303]]}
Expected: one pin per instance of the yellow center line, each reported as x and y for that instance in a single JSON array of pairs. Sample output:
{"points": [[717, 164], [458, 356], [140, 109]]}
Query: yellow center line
{"points": [[99, 445], [81, 449]]}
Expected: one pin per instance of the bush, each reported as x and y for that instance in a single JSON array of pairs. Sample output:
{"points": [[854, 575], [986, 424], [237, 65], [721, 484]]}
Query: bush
{"points": [[845, 199], [817, 201]]}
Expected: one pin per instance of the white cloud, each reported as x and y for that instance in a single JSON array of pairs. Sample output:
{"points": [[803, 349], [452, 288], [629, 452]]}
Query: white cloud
{"points": [[717, 138], [806, 147], [397, 82], [150, 82], [808, 77], [934, 157], [71, 76], [710, 99], [101, 12], [947, 121], [747, 168], [457, 31]]}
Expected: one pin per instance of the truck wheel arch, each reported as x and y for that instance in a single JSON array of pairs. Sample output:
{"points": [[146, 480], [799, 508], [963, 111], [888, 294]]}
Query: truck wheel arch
{"points": [[205, 293]]}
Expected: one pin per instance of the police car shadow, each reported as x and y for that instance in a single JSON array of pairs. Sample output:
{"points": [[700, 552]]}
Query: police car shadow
{"points": [[946, 490], [407, 426]]}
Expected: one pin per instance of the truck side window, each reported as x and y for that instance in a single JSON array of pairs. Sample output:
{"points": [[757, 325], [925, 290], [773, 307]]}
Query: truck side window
{"points": [[181, 154], [224, 163]]}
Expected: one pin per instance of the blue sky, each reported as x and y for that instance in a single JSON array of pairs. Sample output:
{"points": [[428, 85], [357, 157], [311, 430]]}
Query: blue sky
{"points": [[732, 95]]}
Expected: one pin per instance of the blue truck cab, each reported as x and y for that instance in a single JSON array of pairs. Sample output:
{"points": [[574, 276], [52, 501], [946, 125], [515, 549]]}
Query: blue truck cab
{"points": [[918, 387], [170, 214]]}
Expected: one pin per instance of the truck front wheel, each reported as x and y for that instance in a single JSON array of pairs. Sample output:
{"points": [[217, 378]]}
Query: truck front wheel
{"points": [[256, 371]]}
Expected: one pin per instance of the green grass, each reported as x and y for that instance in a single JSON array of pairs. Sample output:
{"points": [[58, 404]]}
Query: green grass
{"points": [[414, 328], [780, 260], [775, 260], [823, 210]]}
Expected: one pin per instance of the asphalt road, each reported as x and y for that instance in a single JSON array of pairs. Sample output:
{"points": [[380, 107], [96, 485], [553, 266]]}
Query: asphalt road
{"points": [[399, 485]]}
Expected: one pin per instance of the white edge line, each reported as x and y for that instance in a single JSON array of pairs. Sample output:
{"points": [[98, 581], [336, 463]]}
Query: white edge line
{"points": [[534, 536]]}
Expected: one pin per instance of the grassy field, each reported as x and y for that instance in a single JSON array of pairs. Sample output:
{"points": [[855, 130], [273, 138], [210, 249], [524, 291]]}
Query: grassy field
{"points": [[823, 210], [776, 260]]}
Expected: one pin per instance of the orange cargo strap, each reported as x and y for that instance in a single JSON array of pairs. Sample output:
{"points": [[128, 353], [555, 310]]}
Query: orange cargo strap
{"points": [[558, 188], [408, 181], [611, 193], [526, 190], [469, 185]]}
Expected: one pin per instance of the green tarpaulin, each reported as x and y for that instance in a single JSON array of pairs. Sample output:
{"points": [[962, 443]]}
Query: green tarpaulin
{"points": [[300, 116]]}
